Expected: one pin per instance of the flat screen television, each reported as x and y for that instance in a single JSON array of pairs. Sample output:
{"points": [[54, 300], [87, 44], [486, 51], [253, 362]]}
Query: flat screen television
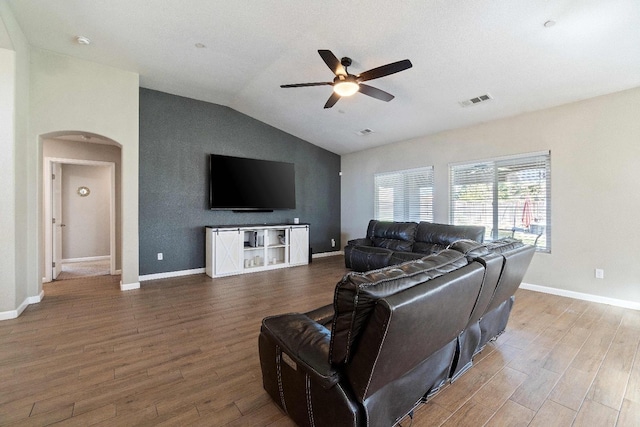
{"points": [[242, 184]]}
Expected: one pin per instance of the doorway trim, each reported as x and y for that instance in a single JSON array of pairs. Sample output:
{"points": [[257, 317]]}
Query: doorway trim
{"points": [[48, 211]]}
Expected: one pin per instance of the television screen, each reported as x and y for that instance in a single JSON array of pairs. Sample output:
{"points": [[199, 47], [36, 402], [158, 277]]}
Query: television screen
{"points": [[239, 183]]}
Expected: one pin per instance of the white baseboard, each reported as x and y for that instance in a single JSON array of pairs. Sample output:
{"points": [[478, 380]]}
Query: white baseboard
{"points": [[180, 273], [129, 286], [325, 254], [581, 296], [12, 314], [169, 274], [88, 258], [36, 299]]}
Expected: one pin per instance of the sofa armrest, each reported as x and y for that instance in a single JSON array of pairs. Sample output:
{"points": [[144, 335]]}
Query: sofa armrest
{"points": [[323, 315], [365, 258], [360, 242], [306, 342]]}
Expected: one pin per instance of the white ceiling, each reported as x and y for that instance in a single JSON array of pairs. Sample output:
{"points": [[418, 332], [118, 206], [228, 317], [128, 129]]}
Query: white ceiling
{"points": [[460, 49]]}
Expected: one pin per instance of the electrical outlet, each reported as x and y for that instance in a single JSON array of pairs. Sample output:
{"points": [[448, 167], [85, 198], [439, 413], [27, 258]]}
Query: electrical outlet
{"points": [[599, 273], [160, 256], [333, 243]]}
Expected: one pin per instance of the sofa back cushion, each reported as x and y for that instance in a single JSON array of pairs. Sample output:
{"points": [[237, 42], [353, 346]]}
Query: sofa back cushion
{"points": [[517, 257], [397, 236], [432, 237], [409, 335], [357, 293]]}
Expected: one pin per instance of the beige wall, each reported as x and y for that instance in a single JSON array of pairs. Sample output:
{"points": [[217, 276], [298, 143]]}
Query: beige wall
{"points": [[86, 219], [595, 180], [14, 111], [71, 95], [47, 95], [7, 177]]}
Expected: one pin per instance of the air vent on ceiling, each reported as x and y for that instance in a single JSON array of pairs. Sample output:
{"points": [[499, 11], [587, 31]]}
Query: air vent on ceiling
{"points": [[476, 100], [364, 132]]}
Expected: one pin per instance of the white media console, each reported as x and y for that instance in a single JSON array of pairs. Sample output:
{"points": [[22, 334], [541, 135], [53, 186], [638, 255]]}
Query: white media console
{"points": [[248, 248]]}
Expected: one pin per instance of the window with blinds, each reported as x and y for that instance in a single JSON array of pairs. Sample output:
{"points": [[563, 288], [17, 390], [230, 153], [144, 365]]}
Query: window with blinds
{"points": [[509, 196], [404, 195]]}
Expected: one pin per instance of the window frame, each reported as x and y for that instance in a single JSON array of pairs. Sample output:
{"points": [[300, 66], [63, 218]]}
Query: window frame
{"points": [[493, 230], [409, 205]]}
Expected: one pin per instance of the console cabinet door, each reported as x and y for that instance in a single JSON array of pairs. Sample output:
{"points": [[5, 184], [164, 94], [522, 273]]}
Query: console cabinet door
{"points": [[227, 253], [299, 245]]}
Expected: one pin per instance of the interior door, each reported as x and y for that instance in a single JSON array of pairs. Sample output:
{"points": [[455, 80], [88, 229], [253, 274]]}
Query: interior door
{"points": [[58, 225]]}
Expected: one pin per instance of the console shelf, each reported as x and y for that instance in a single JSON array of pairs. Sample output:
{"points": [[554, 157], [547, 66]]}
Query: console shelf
{"points": [[242, 249]]}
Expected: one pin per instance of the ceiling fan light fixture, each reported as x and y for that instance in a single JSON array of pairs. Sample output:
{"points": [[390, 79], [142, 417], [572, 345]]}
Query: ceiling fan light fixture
{"points": [[346, 88]]}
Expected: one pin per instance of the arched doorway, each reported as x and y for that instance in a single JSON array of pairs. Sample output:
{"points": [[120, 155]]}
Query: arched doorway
{"points": [[74, 150]]}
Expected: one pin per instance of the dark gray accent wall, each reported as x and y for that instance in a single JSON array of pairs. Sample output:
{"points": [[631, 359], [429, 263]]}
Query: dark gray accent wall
{"points": [[176, 136]]}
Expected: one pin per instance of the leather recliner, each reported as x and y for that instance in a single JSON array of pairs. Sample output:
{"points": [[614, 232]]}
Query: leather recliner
{"points": [[506, 261], [390, 243], [387, 343]]}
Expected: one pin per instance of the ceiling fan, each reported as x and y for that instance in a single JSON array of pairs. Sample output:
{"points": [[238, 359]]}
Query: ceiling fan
{"points": [[345, 84]]}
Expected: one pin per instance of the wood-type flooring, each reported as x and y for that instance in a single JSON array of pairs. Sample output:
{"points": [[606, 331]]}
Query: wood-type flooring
{"points": [[183, 352]]}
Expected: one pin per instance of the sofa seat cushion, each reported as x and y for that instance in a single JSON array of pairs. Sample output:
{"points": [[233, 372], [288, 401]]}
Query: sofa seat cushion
{"points": [[356, 295], [426, 248]]}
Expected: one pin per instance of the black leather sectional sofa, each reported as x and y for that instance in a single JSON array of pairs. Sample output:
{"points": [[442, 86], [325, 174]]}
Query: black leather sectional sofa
{"points": [[392, 337], [390, 243]]}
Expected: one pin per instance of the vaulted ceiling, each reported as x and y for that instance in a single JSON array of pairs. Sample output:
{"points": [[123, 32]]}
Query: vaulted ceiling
{"points": [[460, 49]]}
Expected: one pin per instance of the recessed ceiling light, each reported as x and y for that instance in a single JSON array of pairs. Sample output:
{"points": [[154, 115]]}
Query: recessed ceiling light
{"points": [[200, 46], [82, 40], [364, 132], [550, 23]]}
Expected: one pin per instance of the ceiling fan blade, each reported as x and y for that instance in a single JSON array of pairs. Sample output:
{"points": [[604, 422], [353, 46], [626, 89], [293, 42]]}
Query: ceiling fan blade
{"points": [[332, 62], [332, 100], [375, 93], [385, 70], [308, 84]]}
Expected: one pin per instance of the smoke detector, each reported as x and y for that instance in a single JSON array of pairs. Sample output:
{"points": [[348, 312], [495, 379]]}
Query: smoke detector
{"points": [[476, 100], [82, 40], [364, 132]]}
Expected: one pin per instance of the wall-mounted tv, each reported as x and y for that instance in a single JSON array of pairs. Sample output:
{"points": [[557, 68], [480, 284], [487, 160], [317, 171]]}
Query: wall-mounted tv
{"points": [[242, 184]]}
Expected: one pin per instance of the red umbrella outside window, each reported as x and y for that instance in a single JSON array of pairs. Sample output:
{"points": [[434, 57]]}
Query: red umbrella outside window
{"points": [[526, 214]]}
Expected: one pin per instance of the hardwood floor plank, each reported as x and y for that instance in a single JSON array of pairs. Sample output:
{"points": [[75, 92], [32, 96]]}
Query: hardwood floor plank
{"points": [[183, 351], [96, 416], [595, 414], [470, 414], [572, 388], [610, 383], [498, 389], [633, 385], [629, 414], [552, 414], [511, 414], [429, 415], [47, 418], [533, 392]]}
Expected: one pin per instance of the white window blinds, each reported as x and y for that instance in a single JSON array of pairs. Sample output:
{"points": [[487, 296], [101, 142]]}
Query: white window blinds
{"points": [[404, 195], [509, 196]]}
